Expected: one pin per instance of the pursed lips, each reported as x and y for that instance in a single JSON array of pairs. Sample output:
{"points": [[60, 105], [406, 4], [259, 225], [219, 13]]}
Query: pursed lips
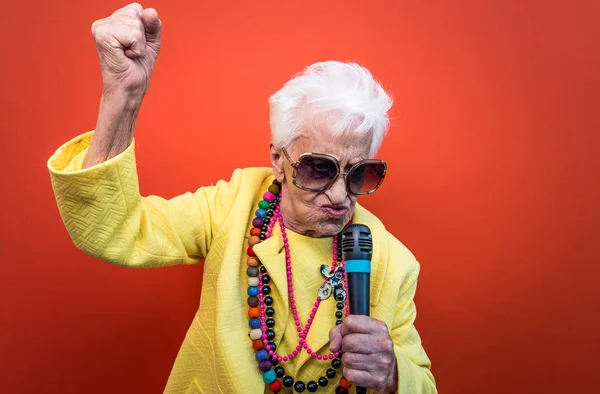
{"points": [[336, 211]]}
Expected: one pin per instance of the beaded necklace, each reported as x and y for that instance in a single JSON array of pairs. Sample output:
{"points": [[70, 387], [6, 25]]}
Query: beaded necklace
{"points": [[261, 311]]}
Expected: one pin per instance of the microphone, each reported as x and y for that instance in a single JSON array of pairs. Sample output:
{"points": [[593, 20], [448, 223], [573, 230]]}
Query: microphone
{"points": [[357, 248]]}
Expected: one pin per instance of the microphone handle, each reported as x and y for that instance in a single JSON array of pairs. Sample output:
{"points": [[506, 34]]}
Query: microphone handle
{"points": [[359, 290]]}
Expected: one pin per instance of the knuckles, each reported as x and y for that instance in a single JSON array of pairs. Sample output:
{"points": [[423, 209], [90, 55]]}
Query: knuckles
{"points": [[380, 326], [388, 346], [350, 375], [347, 359], [380, 382], [95, 26], [346, 343], [378, 377], [122, 28], [130, 9], [131, 24]]}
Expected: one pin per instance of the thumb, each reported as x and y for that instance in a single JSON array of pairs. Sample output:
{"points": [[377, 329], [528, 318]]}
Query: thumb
{"points": [[152, 25], [335, 339]]}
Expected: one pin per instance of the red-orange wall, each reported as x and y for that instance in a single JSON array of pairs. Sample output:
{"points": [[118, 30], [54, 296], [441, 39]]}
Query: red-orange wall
{"points": [[493, 183]]}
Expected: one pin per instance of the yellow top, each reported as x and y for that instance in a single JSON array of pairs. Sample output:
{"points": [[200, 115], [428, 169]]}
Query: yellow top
{"points": [[106, 217]]}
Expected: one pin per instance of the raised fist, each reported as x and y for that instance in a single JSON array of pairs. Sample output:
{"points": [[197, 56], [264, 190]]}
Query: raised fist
{"points": [[128, 43]]}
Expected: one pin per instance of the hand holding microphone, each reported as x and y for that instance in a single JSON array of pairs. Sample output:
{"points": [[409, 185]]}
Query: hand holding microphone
{"points": [[366, 345]]}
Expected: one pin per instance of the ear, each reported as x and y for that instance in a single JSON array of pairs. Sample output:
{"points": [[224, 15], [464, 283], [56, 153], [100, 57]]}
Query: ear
{"points": [[277, 161]]}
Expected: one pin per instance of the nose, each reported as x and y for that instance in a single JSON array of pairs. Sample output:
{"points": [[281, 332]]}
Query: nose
{"points": [[337, 192]]}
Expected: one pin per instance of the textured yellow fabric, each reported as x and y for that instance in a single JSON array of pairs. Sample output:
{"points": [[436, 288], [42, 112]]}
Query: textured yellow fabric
{"points": [[107, 218]]}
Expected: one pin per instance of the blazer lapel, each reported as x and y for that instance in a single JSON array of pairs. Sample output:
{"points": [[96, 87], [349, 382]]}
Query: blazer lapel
{"points": [[271, 254]]}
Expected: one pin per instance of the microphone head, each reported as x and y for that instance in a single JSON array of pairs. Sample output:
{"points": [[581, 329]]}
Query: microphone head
{"points": [[357, 243]]}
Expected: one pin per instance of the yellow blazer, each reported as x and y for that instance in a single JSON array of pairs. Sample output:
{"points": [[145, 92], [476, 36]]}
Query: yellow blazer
{"points": [[106, 217]]}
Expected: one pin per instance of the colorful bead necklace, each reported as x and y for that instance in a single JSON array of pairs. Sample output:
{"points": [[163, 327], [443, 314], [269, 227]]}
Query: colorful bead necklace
{"points": [[261, 311]]}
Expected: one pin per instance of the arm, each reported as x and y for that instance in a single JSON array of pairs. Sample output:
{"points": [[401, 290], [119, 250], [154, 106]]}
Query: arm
{"points": [[95, 182], [114, 128], [128, 43], [107, 218]]}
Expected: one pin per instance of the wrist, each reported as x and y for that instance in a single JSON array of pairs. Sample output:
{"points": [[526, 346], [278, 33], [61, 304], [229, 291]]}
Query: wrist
{"points": [[115, 127], [124, 99], [117, 117]]}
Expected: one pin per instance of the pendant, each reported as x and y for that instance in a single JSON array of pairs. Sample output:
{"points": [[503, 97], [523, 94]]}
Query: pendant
{"points": [[325, 291], [339, 274], [340, 294], [334, 283], [336, 278], [325, 271]]}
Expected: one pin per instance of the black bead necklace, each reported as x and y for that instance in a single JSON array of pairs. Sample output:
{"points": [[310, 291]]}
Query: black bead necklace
{"points": [[268, 362]]}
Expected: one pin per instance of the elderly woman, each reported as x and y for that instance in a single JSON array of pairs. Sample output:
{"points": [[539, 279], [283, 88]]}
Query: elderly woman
{"points": [[269, 236]]}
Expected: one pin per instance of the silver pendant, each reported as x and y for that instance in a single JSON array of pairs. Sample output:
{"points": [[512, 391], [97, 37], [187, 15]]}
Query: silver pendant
{"points": [[334, 283], [340, 294], [325, 291], [338, 273], [325, 271]]}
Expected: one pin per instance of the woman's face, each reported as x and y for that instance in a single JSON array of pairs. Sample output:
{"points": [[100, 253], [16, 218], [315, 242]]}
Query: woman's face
{"points": [[319, 214]]}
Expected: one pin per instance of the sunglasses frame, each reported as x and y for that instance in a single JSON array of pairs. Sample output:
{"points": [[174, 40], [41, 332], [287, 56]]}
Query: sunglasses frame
{"points": [[296, 164]]}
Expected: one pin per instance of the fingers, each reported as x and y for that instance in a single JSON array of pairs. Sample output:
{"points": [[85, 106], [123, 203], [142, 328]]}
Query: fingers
{"points": [[368, 362], [374, 381], [359, 377], [335, 339], [133, 9], [375, 371], [357, 361], [127, 36], [151, 22], [126, 29], [357, 333], [367, 352], [363, 344], [361, 324], [128, 43], [152, 25]]}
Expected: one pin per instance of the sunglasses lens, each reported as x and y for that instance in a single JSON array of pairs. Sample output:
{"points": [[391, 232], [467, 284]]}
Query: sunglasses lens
{"points": [[366, 177], [315, 172]]}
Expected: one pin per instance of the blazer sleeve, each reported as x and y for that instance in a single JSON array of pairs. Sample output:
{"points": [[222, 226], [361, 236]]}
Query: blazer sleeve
{"points": [[106, 217], [414, 366]]}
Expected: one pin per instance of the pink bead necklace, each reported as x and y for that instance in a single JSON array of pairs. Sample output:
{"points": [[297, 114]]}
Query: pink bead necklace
{"points": [[262, 313], [302, 333]]}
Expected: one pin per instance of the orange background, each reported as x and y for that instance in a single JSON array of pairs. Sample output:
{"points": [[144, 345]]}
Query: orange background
{"points": [[493, 180]]}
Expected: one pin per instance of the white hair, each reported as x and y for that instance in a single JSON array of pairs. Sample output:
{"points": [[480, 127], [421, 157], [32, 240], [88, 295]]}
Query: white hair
{"points": [[344, 89]]}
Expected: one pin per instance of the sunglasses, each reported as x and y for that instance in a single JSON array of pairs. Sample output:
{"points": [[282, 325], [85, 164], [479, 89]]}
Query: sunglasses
{"points": [[316, 172]]}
